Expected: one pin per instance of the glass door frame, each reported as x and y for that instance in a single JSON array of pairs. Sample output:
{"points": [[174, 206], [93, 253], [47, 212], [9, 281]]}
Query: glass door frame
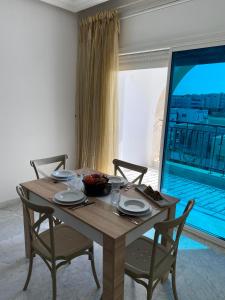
{"points": [[189, 229]]}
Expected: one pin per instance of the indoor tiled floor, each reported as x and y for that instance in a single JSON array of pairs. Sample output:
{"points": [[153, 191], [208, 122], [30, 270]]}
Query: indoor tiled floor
{"points": [[200, 270]]}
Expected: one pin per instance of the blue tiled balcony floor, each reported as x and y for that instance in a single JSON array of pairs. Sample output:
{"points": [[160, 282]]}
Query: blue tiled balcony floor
{"points": [[208, 214]]}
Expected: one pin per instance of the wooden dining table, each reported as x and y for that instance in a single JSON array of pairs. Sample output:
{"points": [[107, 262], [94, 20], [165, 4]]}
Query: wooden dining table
{"points": [[99, 223]]}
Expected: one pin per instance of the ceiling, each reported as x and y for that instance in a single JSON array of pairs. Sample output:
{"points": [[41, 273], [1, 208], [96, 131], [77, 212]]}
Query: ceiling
{"points": [[74, 5]]}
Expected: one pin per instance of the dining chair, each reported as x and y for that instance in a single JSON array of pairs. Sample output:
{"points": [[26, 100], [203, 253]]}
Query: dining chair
{"points": [[118, 164], [147, 261], [60, 159], [58, 243]]}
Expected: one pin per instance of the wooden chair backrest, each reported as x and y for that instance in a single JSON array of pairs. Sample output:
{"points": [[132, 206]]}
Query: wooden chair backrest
{"points": [[162, 229], [61, 159], [46, 214], [118, 164]]}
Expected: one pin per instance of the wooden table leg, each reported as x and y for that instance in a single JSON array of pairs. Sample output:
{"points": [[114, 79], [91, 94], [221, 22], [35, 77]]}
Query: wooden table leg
{"points": [[26, 230], [171, 215], [113, 268]]}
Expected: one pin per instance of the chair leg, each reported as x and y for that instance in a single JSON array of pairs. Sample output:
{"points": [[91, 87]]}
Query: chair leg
{"points": [[91, 257], [54, 291], [174, 283], [29, 271], [149, 293]]}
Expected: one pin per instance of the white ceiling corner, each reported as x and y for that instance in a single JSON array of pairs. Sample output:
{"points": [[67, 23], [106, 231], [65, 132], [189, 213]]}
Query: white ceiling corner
{"points": [[74, 5]]}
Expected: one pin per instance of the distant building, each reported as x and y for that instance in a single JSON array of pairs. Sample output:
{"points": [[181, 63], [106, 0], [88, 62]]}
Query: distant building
{"points": [[189, 115], [214, 102]]}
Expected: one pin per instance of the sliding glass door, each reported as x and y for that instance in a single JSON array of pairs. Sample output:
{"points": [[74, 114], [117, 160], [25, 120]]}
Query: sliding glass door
{"points": [[194, 143]]}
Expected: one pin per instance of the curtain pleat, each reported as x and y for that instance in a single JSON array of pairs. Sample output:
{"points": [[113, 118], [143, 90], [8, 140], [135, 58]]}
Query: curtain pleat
{"points": [[96, 99]]}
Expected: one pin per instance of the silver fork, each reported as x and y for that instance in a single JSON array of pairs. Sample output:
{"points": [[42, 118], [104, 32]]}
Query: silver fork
{"points": [[128, 218]]}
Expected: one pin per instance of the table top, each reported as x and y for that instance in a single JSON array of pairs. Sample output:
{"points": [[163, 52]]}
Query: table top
{"points": [[98, 215]]}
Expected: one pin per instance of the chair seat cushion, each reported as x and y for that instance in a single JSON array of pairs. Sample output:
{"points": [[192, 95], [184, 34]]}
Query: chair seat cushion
{"points": [[138, 259], [68, 242]]}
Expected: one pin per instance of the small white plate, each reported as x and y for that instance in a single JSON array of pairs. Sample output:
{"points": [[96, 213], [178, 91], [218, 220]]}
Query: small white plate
{"points": [[117, 180], [134, 214], [62, 174], [63, 178], [69, 196], [69, 203], [134, 205]]}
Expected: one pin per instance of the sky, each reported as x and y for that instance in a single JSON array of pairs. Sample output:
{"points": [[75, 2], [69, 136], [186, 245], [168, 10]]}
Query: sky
{"points": [[203, 79]]}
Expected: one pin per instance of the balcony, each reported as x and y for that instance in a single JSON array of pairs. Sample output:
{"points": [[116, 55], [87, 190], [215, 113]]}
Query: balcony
{"points": [[209, 213], [195, 168], [197, 145]]}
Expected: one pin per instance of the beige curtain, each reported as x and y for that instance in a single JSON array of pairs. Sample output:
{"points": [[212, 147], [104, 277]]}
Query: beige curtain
{"points": [[97, 91]]}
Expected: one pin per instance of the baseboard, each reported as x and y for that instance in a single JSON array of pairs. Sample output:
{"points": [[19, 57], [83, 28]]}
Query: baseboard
{"points": [[204, 236]]}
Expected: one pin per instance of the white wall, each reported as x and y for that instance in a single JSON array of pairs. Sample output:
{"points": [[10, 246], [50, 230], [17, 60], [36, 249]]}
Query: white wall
{"points": [[37, 88], [187, 22]]}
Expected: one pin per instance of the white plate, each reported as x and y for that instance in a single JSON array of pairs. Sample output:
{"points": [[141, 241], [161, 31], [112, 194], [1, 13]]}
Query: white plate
{"points": [[134, 205], [63, 201], [62, 179], [63, 174], [135, 214], [69, 196], [69, 203], [117, 180]]}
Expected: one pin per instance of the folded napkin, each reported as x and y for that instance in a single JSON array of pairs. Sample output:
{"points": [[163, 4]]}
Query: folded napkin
{"points": [[155, 196]]}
